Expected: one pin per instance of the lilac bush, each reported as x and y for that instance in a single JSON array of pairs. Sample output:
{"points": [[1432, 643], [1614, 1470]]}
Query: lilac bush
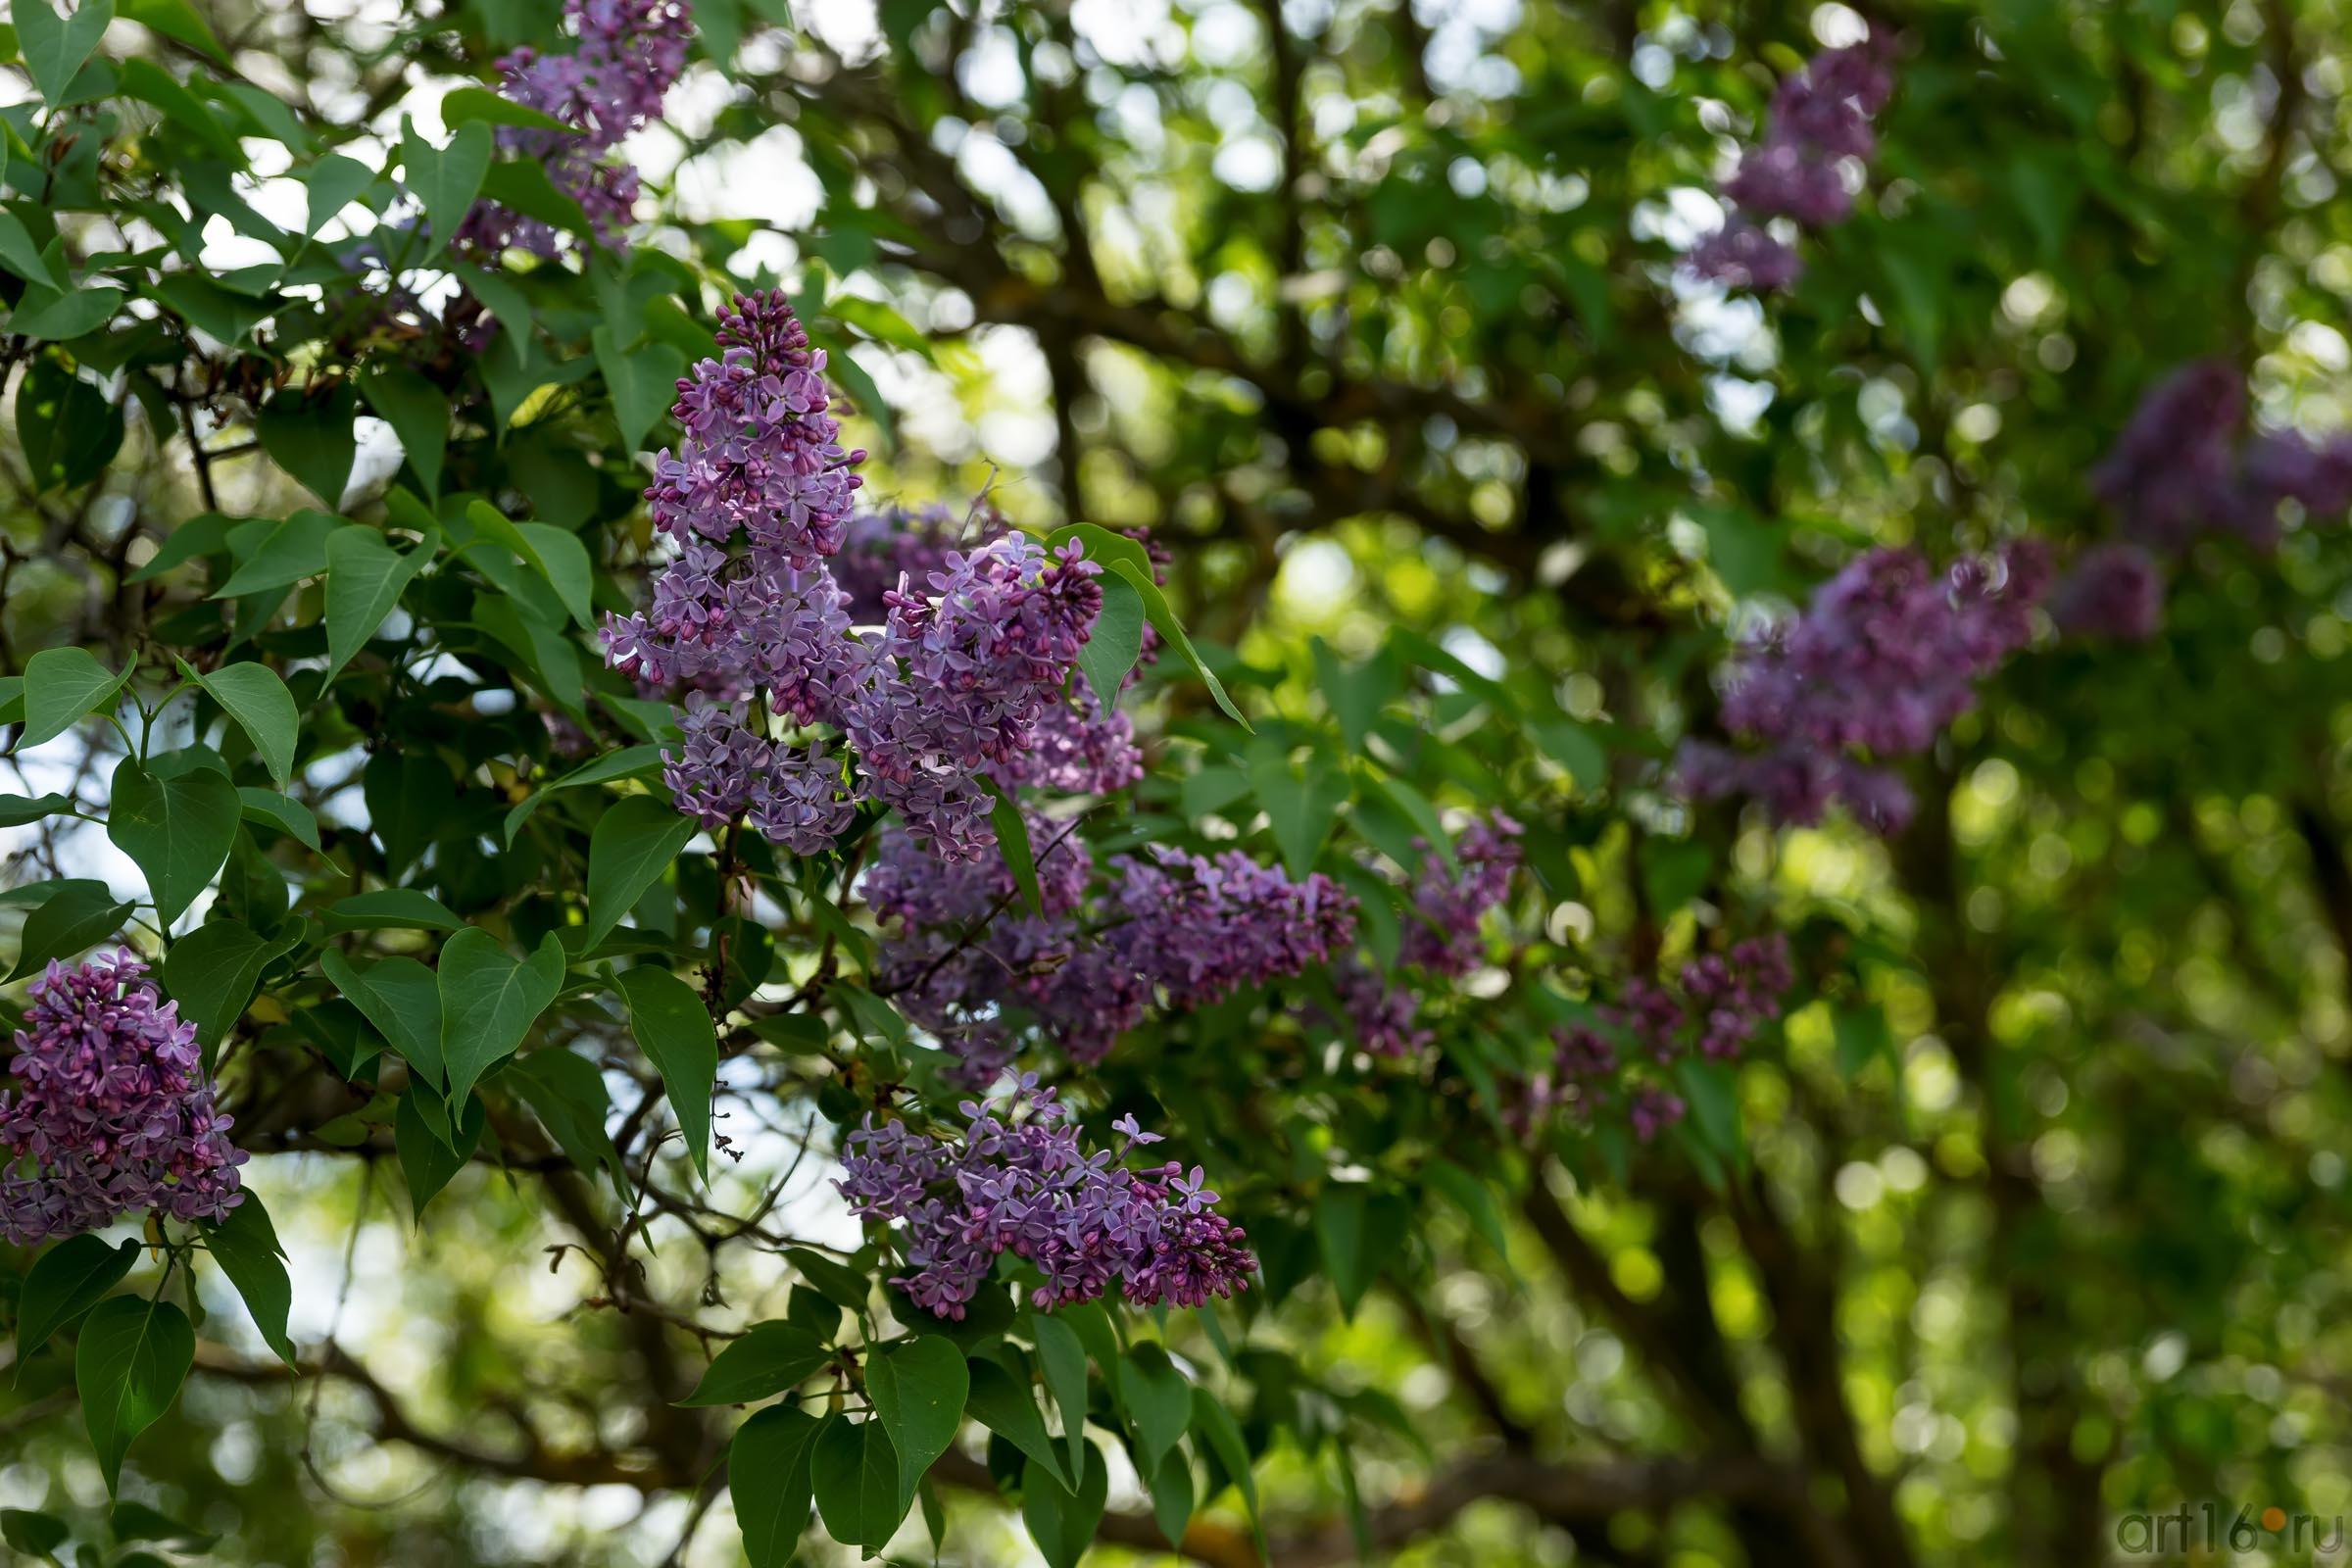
{"points": [[1018, 1178], [112, 1113]]}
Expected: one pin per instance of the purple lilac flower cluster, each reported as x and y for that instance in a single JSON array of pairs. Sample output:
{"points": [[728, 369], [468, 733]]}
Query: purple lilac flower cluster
{"points": [[2185, 467], [1019, 1178], [973, 967], [610, 84], [1819, 121], [966, 675], [112, 1110], [1724, 1000], [1886, 655], [1203, 927], [1076, 747], [963, 677], [1441, 939], [893, 543]]}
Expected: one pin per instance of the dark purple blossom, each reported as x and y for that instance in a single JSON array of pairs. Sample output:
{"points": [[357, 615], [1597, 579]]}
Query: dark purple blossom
{"points": [[1719, 1004], [1019, 1178], [969, 965], [1206, 926], [112, 1114]]}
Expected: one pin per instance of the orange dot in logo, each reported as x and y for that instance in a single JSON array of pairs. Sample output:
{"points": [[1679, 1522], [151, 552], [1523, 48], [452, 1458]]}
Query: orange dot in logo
{"points": [[2273, 1518]]}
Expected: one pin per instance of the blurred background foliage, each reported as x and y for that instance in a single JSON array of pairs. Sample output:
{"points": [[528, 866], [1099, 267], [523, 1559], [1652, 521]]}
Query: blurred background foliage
{"points": [[1372, 312]]}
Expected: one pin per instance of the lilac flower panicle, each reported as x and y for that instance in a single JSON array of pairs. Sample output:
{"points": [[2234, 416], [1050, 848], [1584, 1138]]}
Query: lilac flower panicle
{"points": [[1720, 1003], [2184, 466], [744, 615], [1882, 660], [1205, 926], [963, 676], [1193, 929], [609, 84], [1789, 179], [2172, 471], [1019, 1178], [112, 1114], [1386, 1018], [1445, 939], [1819, 124]]}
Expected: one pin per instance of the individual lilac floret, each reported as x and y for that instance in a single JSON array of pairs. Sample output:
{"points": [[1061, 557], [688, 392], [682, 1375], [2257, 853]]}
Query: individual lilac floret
{"points": [[112, 1114], [1886, 657], [2114, 591], [1019, 1178], [609, 86]]}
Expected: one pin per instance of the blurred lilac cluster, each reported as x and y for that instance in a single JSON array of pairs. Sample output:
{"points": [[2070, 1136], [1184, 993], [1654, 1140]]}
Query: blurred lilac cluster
{"points": [[1019, 1178], [1724, 1000], [964, 675], [1886, 655], [609, 84], [1819, 119], [969, 965], [1442, 938], [2185, 465], [112, 1112]]}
